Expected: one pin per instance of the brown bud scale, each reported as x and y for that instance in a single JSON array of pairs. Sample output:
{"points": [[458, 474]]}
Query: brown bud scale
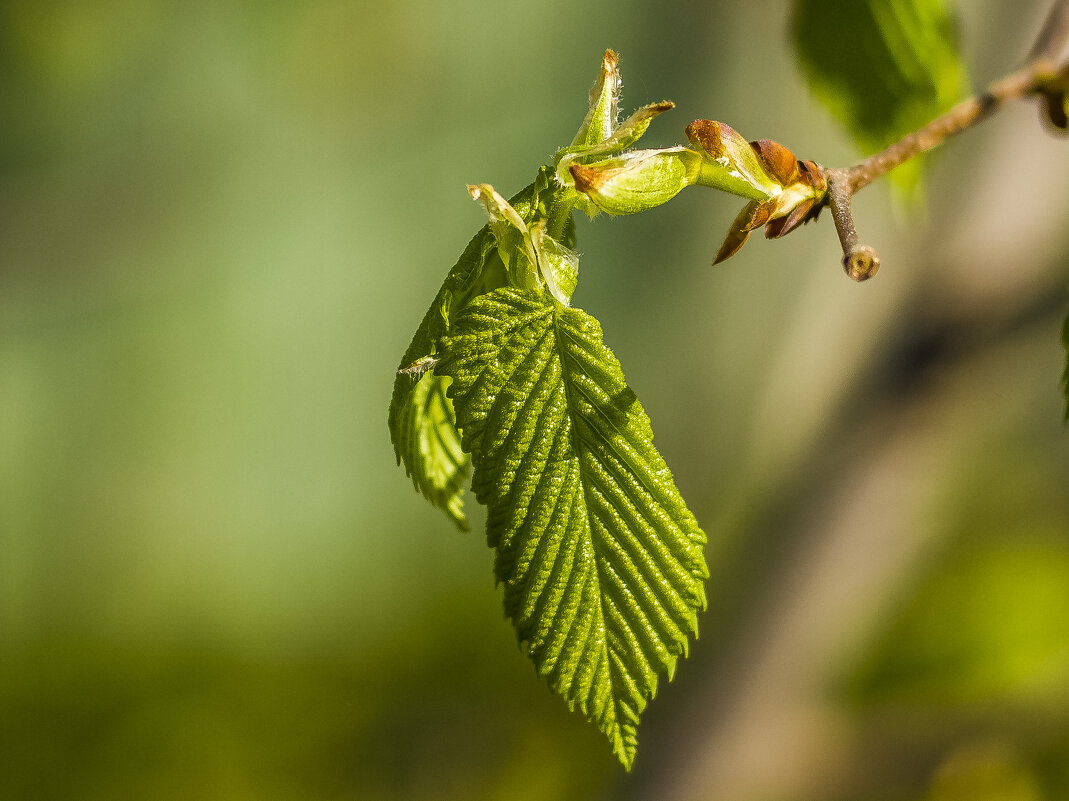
{"points": [[705, 135], [778, 161]]}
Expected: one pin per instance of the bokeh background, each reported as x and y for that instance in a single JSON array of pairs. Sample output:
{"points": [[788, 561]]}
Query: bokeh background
{"points": [[220, 222]]}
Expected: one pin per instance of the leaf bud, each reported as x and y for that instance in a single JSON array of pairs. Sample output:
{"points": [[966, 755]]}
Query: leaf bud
{"points": [[604, 107], [861, 263], [532, 257], [637, 181], [729, 162]]}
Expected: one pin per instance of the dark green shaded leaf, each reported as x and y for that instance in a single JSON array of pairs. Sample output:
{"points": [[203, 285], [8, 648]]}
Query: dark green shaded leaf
{"points": [[602, 562], [882, 67]]}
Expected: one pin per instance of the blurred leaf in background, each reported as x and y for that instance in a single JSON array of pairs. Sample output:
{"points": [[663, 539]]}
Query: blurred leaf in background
{"points": [[882, 68], [975, 653]]}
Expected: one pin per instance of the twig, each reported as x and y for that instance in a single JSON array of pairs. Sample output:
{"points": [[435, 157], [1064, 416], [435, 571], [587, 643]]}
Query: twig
{"points": [[860, 261], [1040, 76], [1024, 82]]}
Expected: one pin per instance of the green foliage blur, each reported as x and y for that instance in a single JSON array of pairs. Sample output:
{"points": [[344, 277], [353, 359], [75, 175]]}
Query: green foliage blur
{"points": [[219, 224], [902, 67]]}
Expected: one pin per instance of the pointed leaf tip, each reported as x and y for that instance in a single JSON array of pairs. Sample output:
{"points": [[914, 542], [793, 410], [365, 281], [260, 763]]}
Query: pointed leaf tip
{"points": [[604, 104]]}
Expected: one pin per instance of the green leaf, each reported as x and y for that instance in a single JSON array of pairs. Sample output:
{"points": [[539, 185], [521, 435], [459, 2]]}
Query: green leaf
{"points": [[602, 562], [421, 420], [882, 67]]}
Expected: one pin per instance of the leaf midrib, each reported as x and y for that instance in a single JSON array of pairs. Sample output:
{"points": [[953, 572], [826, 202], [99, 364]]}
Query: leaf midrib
{"points": [[611, 650]]}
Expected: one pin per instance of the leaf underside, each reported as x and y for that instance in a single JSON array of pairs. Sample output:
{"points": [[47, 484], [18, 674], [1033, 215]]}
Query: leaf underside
{"points": [[424, 435], [601, 560], [421, 421], [883, 68]]}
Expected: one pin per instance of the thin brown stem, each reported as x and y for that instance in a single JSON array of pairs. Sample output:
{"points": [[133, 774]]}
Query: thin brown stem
{"points": [[1024, 82], [1042, 76], [860, 261]]}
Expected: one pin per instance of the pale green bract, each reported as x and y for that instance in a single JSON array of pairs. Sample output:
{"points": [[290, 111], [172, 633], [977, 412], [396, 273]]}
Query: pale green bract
{"points": [[601, 560]]}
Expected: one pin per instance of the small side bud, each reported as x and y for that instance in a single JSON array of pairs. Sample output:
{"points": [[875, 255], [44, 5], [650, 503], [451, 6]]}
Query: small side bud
{"points": [[861, 263]]}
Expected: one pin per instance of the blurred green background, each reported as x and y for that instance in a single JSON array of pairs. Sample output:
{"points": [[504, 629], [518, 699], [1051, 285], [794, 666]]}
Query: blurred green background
{"points": [[220, 222]]}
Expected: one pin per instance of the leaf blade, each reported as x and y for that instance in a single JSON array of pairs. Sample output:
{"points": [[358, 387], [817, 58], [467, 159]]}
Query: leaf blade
{"points": [[427, 443], [421, 419], [602, 562]]}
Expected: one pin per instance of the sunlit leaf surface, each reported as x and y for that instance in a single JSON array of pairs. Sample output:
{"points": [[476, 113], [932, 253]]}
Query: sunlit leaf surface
{"points": [[602, 562]]}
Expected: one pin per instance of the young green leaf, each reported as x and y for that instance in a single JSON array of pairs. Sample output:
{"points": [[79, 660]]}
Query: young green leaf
{"points": [[602, 562], [882, 67], [421, 418]]}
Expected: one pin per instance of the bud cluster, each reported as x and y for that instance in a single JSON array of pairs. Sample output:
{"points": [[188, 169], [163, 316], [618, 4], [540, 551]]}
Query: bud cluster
{"points": [[783, 192], [532, 257], [597, 172]]}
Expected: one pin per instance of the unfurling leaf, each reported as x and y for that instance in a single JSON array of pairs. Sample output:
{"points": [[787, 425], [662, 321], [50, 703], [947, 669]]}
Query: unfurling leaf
{"points": [[421, 418], [422, 427], [602, 562], [882, 67], [637, 181]]}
